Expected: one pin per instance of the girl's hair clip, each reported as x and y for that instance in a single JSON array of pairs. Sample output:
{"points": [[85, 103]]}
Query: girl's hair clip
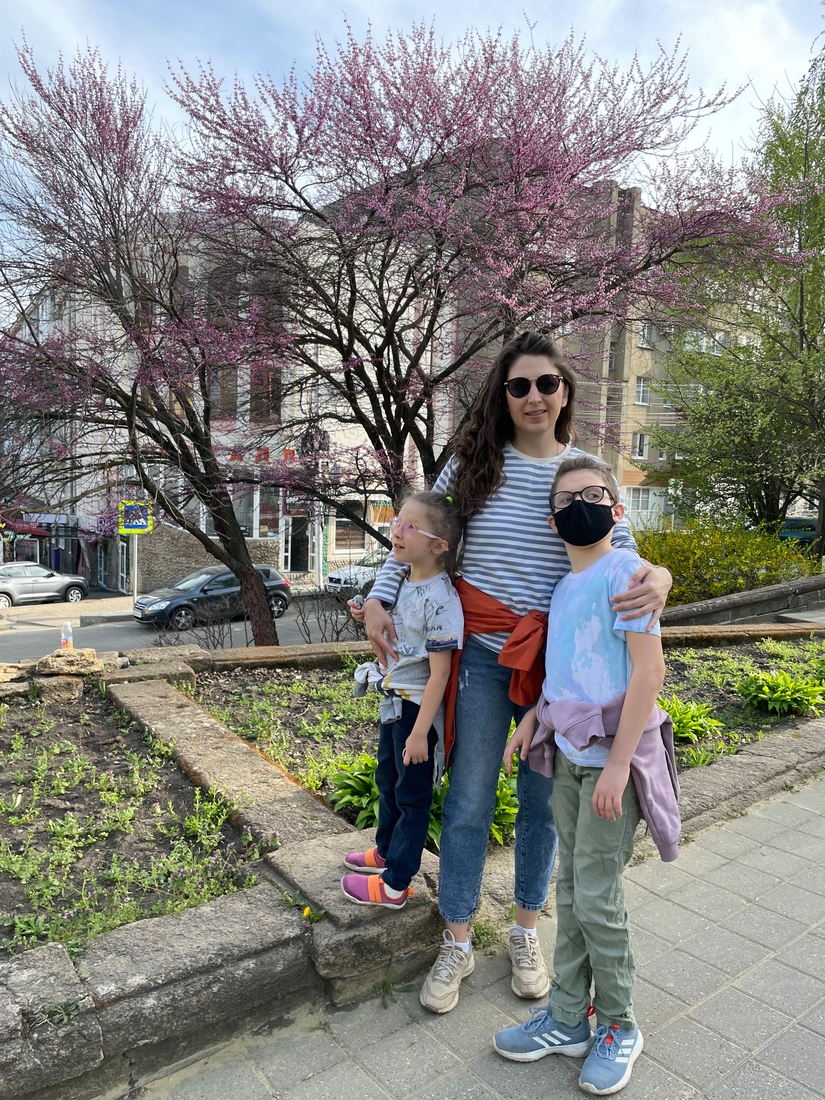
{"points": [[449, 500]]}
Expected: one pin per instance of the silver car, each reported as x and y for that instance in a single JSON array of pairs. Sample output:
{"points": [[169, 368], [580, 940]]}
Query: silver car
{"points": [[25, 582]]}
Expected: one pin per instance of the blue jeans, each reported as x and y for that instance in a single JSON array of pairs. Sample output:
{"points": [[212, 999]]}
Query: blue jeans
{"points": [[483, 715], [405, 793]]}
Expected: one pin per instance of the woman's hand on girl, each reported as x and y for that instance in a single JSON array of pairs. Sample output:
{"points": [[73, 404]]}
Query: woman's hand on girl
{"points": [[521, 740], [380, 630], [646, 594]]}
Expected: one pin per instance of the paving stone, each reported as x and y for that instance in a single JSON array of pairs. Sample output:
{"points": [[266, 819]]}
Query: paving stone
{"points": [[647, 947], [761, 829], [725, 950], [683, 976], [651, 1082], [798, 844], [500, 994], [815, 1020], [235, 1078], [469, 1028], [490, 969], [764, 926], [707, 900], [794, 902], [811, 878], [695, 859], [773, 861], [798, 1055], [806, 954], [786, 813], [635, 896], [739, 878], [660, 878], [811, 797], [694, 1053], [740, 1018], [285, 1062], [670, 922], [782, 987], [359, 1025], [552, 1078], [406, 1061], [653, 1007], [726, 842], [458, 1086], [755, 1082], [341, 1082]]}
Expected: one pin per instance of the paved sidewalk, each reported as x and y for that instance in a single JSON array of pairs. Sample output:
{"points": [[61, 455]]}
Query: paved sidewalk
{"points": [[730, 950], [53, 614]]}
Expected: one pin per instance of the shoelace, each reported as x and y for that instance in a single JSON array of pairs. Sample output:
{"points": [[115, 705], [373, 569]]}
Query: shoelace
{"points": [[538, 1019], [448, 960], [604, 1044], [525, 951]]}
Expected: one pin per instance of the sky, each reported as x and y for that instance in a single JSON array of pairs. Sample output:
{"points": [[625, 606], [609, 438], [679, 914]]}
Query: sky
{"points": [[761, 45]]}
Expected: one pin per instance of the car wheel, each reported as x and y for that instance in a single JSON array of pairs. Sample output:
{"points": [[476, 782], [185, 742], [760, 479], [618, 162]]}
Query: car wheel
{"points": [[73, 594], [5, 601], [182, 619], [278, 606]]}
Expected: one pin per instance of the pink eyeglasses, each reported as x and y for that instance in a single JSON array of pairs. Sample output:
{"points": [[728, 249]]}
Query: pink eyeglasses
{"points": [[405, 529]]}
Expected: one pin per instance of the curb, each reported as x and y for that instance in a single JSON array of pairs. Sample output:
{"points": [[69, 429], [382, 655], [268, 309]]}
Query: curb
{"points": [[106, 617]]}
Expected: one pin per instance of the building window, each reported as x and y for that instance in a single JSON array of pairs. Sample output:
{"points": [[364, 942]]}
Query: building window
{"points": [[647, 334], [265, 393], [349, 537], [642, 391], [639, 445], [270, 511], [638, 499], [611, 360]]}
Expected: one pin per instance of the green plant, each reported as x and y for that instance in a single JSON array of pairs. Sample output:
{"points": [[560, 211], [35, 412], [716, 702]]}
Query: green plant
{"points": [[504, 815], [355, 786], [485, 935], [780, 693], [388, 989], [691, 721]]}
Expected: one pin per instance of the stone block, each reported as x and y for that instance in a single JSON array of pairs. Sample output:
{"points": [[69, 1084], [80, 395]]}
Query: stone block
{"points": [[317, 655], [152, 654], [173, 672], [59, 689], [17, 689], [70, 662], [11, 672], [48, 1030], [112, 660], [176, 975]]}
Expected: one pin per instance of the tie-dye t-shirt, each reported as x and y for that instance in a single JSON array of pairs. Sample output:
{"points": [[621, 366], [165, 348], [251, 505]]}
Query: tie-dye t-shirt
{"points": [[587, 655]]}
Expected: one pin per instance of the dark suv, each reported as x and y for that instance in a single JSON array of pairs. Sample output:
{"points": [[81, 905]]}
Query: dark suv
{"points": [[208, 595]]}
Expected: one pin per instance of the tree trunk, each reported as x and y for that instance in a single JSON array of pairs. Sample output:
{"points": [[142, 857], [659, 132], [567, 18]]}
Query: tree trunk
{"points": [[819, 542], [253, 591]]}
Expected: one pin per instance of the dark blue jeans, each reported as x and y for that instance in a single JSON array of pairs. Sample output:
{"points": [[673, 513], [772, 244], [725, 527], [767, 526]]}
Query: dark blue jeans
{"points": [[405, 796]]}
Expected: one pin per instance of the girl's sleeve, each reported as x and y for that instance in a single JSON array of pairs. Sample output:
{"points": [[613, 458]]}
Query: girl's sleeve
{"points": [[445, 621]]}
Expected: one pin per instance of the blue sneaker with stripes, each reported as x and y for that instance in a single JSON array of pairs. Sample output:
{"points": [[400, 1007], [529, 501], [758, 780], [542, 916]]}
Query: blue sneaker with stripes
{"points": [[543, 1035], [609, 1064]]}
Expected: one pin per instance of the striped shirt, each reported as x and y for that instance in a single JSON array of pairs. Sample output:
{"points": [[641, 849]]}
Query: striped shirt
{"points": [[510, 550]]}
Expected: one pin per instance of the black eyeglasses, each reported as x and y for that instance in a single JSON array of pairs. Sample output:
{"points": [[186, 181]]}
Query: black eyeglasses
{"points": [[592, 494], [545, 383]]}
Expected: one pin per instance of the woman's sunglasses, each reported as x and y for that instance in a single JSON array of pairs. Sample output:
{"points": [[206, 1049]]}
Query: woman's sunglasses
{"points": [[545, 383]]}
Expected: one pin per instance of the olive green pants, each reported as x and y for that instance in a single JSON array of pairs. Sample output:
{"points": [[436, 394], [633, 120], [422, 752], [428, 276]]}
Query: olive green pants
{"points": [[593, 938]]}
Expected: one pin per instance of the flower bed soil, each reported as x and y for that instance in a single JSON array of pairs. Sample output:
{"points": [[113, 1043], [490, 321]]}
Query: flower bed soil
{"points": [[99, 827]]}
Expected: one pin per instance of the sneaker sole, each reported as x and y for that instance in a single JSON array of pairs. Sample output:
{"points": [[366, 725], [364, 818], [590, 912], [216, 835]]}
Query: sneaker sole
{"points": [[365, 870], [378, 904], [593, 1091], [539, 994], [569, 1050], [448, 1008]]}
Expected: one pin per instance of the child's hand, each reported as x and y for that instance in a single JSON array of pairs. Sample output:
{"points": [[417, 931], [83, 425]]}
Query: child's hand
{"points": [[607, 797], [416, 750], [521, 740]]}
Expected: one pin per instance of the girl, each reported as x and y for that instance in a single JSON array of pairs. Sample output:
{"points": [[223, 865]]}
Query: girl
{"points": [[428, 625], [504, 460]]}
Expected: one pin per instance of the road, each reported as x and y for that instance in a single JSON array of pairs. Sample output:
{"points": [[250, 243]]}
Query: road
{"points": [[26, 640]]}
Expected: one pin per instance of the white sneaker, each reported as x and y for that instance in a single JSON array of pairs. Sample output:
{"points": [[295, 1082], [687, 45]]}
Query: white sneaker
{"points": [[530, 977], [439, 993]]}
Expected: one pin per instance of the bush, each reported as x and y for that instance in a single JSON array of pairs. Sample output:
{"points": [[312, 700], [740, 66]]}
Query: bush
{"points": [[691, 721], [354, 785], [781, 694], [708, 561]]}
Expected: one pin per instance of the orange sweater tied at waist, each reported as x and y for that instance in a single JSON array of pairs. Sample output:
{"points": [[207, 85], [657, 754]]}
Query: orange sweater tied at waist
{"points": [[523, 651]]}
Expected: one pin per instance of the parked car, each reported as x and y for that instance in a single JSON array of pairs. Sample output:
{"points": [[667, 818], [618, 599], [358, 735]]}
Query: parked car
{"points": [[25, 582], [357, 574], [212, 594], [803, 530]]}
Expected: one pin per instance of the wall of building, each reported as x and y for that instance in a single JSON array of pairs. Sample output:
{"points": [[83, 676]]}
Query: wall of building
{"points": [[167, 554]]}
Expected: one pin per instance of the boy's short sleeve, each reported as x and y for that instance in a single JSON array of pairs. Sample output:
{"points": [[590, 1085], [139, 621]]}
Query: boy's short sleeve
{"points": [[445, 620], [627, 564]]}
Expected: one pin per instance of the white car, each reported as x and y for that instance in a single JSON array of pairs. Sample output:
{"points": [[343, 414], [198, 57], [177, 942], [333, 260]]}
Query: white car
{"points": [[356, 575]]}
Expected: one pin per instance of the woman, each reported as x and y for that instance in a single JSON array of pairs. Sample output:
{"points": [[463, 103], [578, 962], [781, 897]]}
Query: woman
{"points": [[500, 474]]}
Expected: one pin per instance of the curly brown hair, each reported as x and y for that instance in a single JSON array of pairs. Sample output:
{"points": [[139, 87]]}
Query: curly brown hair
{"points": [[479, 444]]}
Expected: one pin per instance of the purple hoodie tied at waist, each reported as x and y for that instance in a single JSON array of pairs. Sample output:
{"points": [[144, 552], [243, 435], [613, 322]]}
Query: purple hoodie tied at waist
{"points": [[653, 766]]}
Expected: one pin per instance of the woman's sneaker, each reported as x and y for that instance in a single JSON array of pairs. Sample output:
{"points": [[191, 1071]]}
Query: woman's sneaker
{"points": [[439, 993], [530, 977], [369, 890], [609, 1064], [369, 861], [542, 1035]]}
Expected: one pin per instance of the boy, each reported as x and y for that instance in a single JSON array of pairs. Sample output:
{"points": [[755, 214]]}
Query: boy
{"points": [[610, 751]]}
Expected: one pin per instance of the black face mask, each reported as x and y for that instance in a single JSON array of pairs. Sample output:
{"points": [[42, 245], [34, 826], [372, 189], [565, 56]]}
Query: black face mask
{"points": [[582, 524]]}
